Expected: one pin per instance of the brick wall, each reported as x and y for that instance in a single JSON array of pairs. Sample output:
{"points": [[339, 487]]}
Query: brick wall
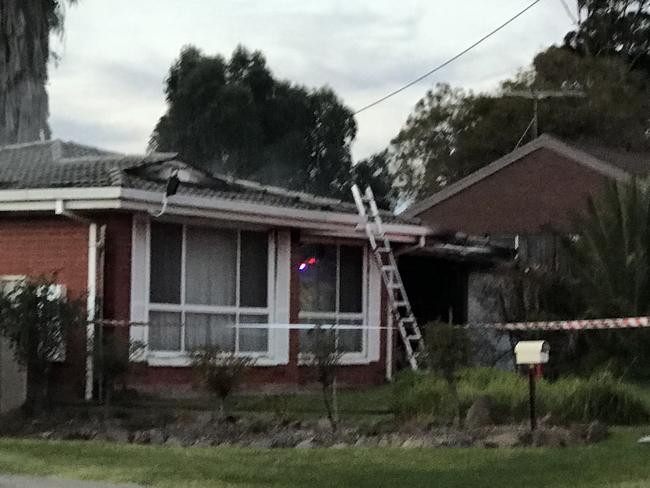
{"points": [[542, 189], [46, 246]]}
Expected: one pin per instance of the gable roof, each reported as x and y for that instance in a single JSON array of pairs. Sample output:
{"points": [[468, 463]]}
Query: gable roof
{"points": [[60, 164], [613, 163]]}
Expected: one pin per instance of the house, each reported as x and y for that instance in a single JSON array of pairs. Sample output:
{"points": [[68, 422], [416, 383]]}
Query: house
{"points": [[229, 263], [525, 200]]}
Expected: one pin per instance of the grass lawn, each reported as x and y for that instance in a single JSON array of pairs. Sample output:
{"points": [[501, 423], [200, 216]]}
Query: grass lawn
{"points": [[618, 462]]}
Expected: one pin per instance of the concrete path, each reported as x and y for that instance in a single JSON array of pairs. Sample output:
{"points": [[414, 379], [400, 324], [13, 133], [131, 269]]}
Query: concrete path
{"points": [[9, 481]]}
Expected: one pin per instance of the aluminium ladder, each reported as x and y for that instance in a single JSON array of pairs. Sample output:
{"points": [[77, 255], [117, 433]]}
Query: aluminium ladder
{"points": [[381, 248]]}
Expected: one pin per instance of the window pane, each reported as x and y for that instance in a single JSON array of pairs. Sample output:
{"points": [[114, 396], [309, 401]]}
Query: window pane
{"points": [[211, 266], [254, 269], [350, 340], [164, 331], [203, 330], [351, 276], [317, 278], [253, 340], [166, 247]]}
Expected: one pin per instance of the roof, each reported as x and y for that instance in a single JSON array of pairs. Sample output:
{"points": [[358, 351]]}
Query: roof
{"points": [[617, 164], [61, 164]]}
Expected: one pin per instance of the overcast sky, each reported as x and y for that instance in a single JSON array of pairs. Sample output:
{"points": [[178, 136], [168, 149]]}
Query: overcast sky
{"points": [[107, 89]]}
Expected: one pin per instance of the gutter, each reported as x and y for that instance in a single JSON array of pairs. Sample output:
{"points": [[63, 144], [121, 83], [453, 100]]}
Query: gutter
{"points": [[91, 301]]}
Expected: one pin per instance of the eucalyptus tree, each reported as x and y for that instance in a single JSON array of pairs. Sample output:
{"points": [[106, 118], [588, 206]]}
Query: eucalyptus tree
{"points": [[25, 29]]}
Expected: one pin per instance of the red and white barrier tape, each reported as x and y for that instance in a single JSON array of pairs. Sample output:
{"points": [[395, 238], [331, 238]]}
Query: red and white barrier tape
{"points": [[559, 325]]}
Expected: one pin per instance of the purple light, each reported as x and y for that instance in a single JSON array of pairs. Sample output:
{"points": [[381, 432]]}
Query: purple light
{"points": [[302, 267]]}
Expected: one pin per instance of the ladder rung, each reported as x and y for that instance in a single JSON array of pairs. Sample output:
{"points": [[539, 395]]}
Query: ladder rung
{"points": [[401, 303], [383, 249], [395, 286], [410, 318], [414, 337], [388, 267]]}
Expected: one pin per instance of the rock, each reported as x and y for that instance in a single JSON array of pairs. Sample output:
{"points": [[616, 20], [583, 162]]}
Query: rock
{"points": [[553, 437], [306, 444], [596, 432], [413, 443], [264, 443], [503, 440], [644, 440], [116, 435], [324, 424], [140, 437], [478, 414], [339, 445], [174, 441], [157, 436], [384, 441]]}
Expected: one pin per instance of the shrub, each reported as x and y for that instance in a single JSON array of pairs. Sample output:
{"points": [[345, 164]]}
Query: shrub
{"points": [[423, 395], [220, 372], [600, 397]]}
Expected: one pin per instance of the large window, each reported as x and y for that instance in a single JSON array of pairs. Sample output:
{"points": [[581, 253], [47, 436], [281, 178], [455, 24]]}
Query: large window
{"points": [[204, 283], [332, 284]]}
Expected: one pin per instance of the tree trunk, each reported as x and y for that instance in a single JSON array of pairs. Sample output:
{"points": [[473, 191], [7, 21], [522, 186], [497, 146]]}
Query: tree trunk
{"points": [[24, 37], [328, 407]]}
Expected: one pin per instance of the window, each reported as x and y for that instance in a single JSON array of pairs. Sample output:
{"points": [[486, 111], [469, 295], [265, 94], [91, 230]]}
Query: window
{"points": [[332, 284], [204, 283]]}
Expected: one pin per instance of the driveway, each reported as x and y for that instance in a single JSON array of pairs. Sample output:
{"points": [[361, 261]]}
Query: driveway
{"points": [[8, 481]]}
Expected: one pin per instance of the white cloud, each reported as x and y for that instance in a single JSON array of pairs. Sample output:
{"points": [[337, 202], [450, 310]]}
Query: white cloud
{"points": [[108, 88]]}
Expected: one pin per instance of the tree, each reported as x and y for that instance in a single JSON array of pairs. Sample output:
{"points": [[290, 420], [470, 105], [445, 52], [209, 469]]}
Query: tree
{"points": [[613, 28], [232, 116], [325, 356], [452, 133], [25, 27], [37, 319]]}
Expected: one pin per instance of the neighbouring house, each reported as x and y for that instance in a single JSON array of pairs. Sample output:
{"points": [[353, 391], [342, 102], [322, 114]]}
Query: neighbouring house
{"points": [[525, 200], [225, 254]]}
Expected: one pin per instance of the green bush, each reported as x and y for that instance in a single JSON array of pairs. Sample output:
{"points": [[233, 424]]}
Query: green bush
{"points": [[423, 395], [600, 397]]}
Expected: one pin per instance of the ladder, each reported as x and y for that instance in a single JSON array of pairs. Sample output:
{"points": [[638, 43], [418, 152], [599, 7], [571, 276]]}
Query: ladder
{"points": [[397, 298]]}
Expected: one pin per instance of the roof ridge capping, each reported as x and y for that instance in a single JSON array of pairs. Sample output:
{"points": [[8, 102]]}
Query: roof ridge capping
{"points": [[20, 145], [279, 191], [544, 141]]}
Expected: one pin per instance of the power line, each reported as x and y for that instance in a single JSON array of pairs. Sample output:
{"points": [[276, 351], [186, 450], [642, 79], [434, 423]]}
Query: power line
{"points": [[449, 61]]}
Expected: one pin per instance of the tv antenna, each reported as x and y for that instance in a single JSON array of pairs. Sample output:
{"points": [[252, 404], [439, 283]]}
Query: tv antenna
{"points": [[536, 96]]}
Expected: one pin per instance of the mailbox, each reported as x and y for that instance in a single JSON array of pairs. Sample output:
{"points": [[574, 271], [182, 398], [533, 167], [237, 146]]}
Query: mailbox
{"points": [[532, 352]]}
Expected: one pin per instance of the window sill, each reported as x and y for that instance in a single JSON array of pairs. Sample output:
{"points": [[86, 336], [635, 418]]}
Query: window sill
{"points": [[182, 360], [349, 359]]}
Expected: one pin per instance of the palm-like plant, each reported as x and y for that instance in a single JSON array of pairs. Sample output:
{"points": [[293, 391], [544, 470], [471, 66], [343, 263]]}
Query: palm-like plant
{"points": [[25, 28], [611, 267], [610, 253]]}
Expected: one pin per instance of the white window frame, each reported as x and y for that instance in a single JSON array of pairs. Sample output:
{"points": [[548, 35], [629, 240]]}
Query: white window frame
{"points": [[347, 358], [273, 354]]}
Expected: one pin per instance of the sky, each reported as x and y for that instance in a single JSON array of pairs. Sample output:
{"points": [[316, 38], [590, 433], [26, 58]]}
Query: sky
{"points": [[106, 89]]}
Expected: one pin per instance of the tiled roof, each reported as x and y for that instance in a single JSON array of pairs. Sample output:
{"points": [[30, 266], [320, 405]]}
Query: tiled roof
{"points": [[59, 164], [636, 163]]}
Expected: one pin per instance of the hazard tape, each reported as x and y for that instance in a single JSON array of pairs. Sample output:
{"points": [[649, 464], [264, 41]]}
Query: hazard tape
{"points": [[558, 325]]}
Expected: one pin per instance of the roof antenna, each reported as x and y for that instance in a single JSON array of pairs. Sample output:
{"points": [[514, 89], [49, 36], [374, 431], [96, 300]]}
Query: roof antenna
{"points": [[172, 187]]}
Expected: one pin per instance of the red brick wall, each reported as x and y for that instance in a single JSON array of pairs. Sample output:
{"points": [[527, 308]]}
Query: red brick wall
{"points": [[542, 189], [45, 246]]}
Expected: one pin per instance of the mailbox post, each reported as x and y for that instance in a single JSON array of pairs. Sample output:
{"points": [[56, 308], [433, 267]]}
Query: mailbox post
{"points": [[531, 353]]}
